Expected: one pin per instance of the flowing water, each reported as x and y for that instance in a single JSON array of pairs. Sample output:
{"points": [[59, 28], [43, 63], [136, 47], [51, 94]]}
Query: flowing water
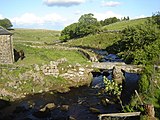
{"points": [[83, 103]]}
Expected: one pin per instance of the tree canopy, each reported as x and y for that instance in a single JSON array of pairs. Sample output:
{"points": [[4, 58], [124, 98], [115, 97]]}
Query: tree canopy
{"points": [[86, 25], [109, 21], [6, 23]]}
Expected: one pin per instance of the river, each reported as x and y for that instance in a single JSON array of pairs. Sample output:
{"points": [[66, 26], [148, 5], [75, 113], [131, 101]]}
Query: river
{"points": [[83, 103]]}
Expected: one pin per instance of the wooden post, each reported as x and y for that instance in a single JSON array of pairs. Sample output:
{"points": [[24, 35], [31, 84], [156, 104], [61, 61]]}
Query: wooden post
{"points": [[149, 110], [138, 97], [119, 115]]}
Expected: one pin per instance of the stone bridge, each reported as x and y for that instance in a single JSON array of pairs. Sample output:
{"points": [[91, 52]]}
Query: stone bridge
{"points": [[118, 65], [118, 69]]}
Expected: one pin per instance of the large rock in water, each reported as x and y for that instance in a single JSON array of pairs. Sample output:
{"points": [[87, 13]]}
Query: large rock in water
{"points": [[117, 75]]}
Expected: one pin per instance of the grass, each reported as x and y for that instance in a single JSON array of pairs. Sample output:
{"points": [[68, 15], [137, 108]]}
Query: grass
{"points": [[44, 56], [23, 72], [123, 24], [99, 41], [35, 35]]}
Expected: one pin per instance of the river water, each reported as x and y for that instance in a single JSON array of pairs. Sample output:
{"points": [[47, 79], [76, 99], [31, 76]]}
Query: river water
{"points": [[83, 103]]}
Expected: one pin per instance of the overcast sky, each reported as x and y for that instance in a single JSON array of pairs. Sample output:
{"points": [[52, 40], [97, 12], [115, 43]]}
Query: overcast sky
{"points": [[56, 14]]}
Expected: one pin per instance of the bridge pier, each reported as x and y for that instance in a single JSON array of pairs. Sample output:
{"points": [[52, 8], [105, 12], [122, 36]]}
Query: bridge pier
{"points": [[118, 75]]}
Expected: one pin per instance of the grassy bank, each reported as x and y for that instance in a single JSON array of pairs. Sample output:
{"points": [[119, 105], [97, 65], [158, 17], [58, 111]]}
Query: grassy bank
{"points": [[98, 41], [21, 78], [123, 24]]}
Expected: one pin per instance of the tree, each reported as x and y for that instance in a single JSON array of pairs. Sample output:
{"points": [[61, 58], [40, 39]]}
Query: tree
{"points": [[86, 25], [109, 21], [6, 23], [156, 18], [69, 32]]}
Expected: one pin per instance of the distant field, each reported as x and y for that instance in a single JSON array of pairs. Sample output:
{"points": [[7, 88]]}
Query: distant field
{"points": [[123, 24], [35, 35]]}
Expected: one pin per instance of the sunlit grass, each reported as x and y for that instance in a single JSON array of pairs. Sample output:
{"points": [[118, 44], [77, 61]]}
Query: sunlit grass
{"points": [[35, 35], [123, 24], [43, 56], [99, 41]]}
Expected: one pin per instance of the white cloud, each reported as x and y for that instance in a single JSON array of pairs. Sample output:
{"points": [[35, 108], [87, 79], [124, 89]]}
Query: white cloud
{"points": [[110, 3], [31, 19], [108, 14], [48, 21], [1, 17], [141, 16], [78, 12], [64, 3]]}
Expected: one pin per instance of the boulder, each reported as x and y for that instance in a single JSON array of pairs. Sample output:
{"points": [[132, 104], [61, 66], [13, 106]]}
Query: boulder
{"points": [[117, 75]]}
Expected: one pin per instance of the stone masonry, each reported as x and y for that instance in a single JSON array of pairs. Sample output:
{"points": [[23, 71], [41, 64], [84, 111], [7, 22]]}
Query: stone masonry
{"points": [[6, 47]]}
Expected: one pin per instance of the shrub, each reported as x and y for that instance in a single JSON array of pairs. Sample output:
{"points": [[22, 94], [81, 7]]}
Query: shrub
{"points": [[143, 83]]}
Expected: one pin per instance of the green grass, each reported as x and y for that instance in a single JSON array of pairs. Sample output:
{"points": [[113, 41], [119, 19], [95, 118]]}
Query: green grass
{"points": [[123, 24], [43, 56], [35, 35], [99, 41]]}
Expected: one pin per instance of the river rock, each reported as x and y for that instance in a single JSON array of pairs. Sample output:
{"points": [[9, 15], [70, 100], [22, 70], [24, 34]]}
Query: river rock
{"points": [[49, 106], [117, 75], [94, 110], [71, 118], [64, 107]]}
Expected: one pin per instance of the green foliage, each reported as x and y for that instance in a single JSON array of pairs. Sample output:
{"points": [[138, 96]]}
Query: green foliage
{"points": [[109, 21], [134, 105], [98, 41], [112, 88], [69, 32], [137, 43], [6, 23], [138, 36], [156, 18], [143, 83], [86, 25], [148, 55]]}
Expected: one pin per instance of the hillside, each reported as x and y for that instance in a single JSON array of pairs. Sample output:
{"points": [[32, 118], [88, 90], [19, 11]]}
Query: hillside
{"points": [[103, 40], [35, 35], [44, 59], [123, 24]]}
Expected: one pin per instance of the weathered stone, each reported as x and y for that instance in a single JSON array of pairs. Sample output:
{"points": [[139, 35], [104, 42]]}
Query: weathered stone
{"points": [[94, 110], [122, 65], [81, 69], [64, 107], [6, 47], [71, 118], [50, 106], [36, 67], [117, 75]]}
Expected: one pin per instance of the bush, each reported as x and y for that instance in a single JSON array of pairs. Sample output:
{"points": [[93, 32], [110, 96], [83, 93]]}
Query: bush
{"points": [[143, 84]]}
